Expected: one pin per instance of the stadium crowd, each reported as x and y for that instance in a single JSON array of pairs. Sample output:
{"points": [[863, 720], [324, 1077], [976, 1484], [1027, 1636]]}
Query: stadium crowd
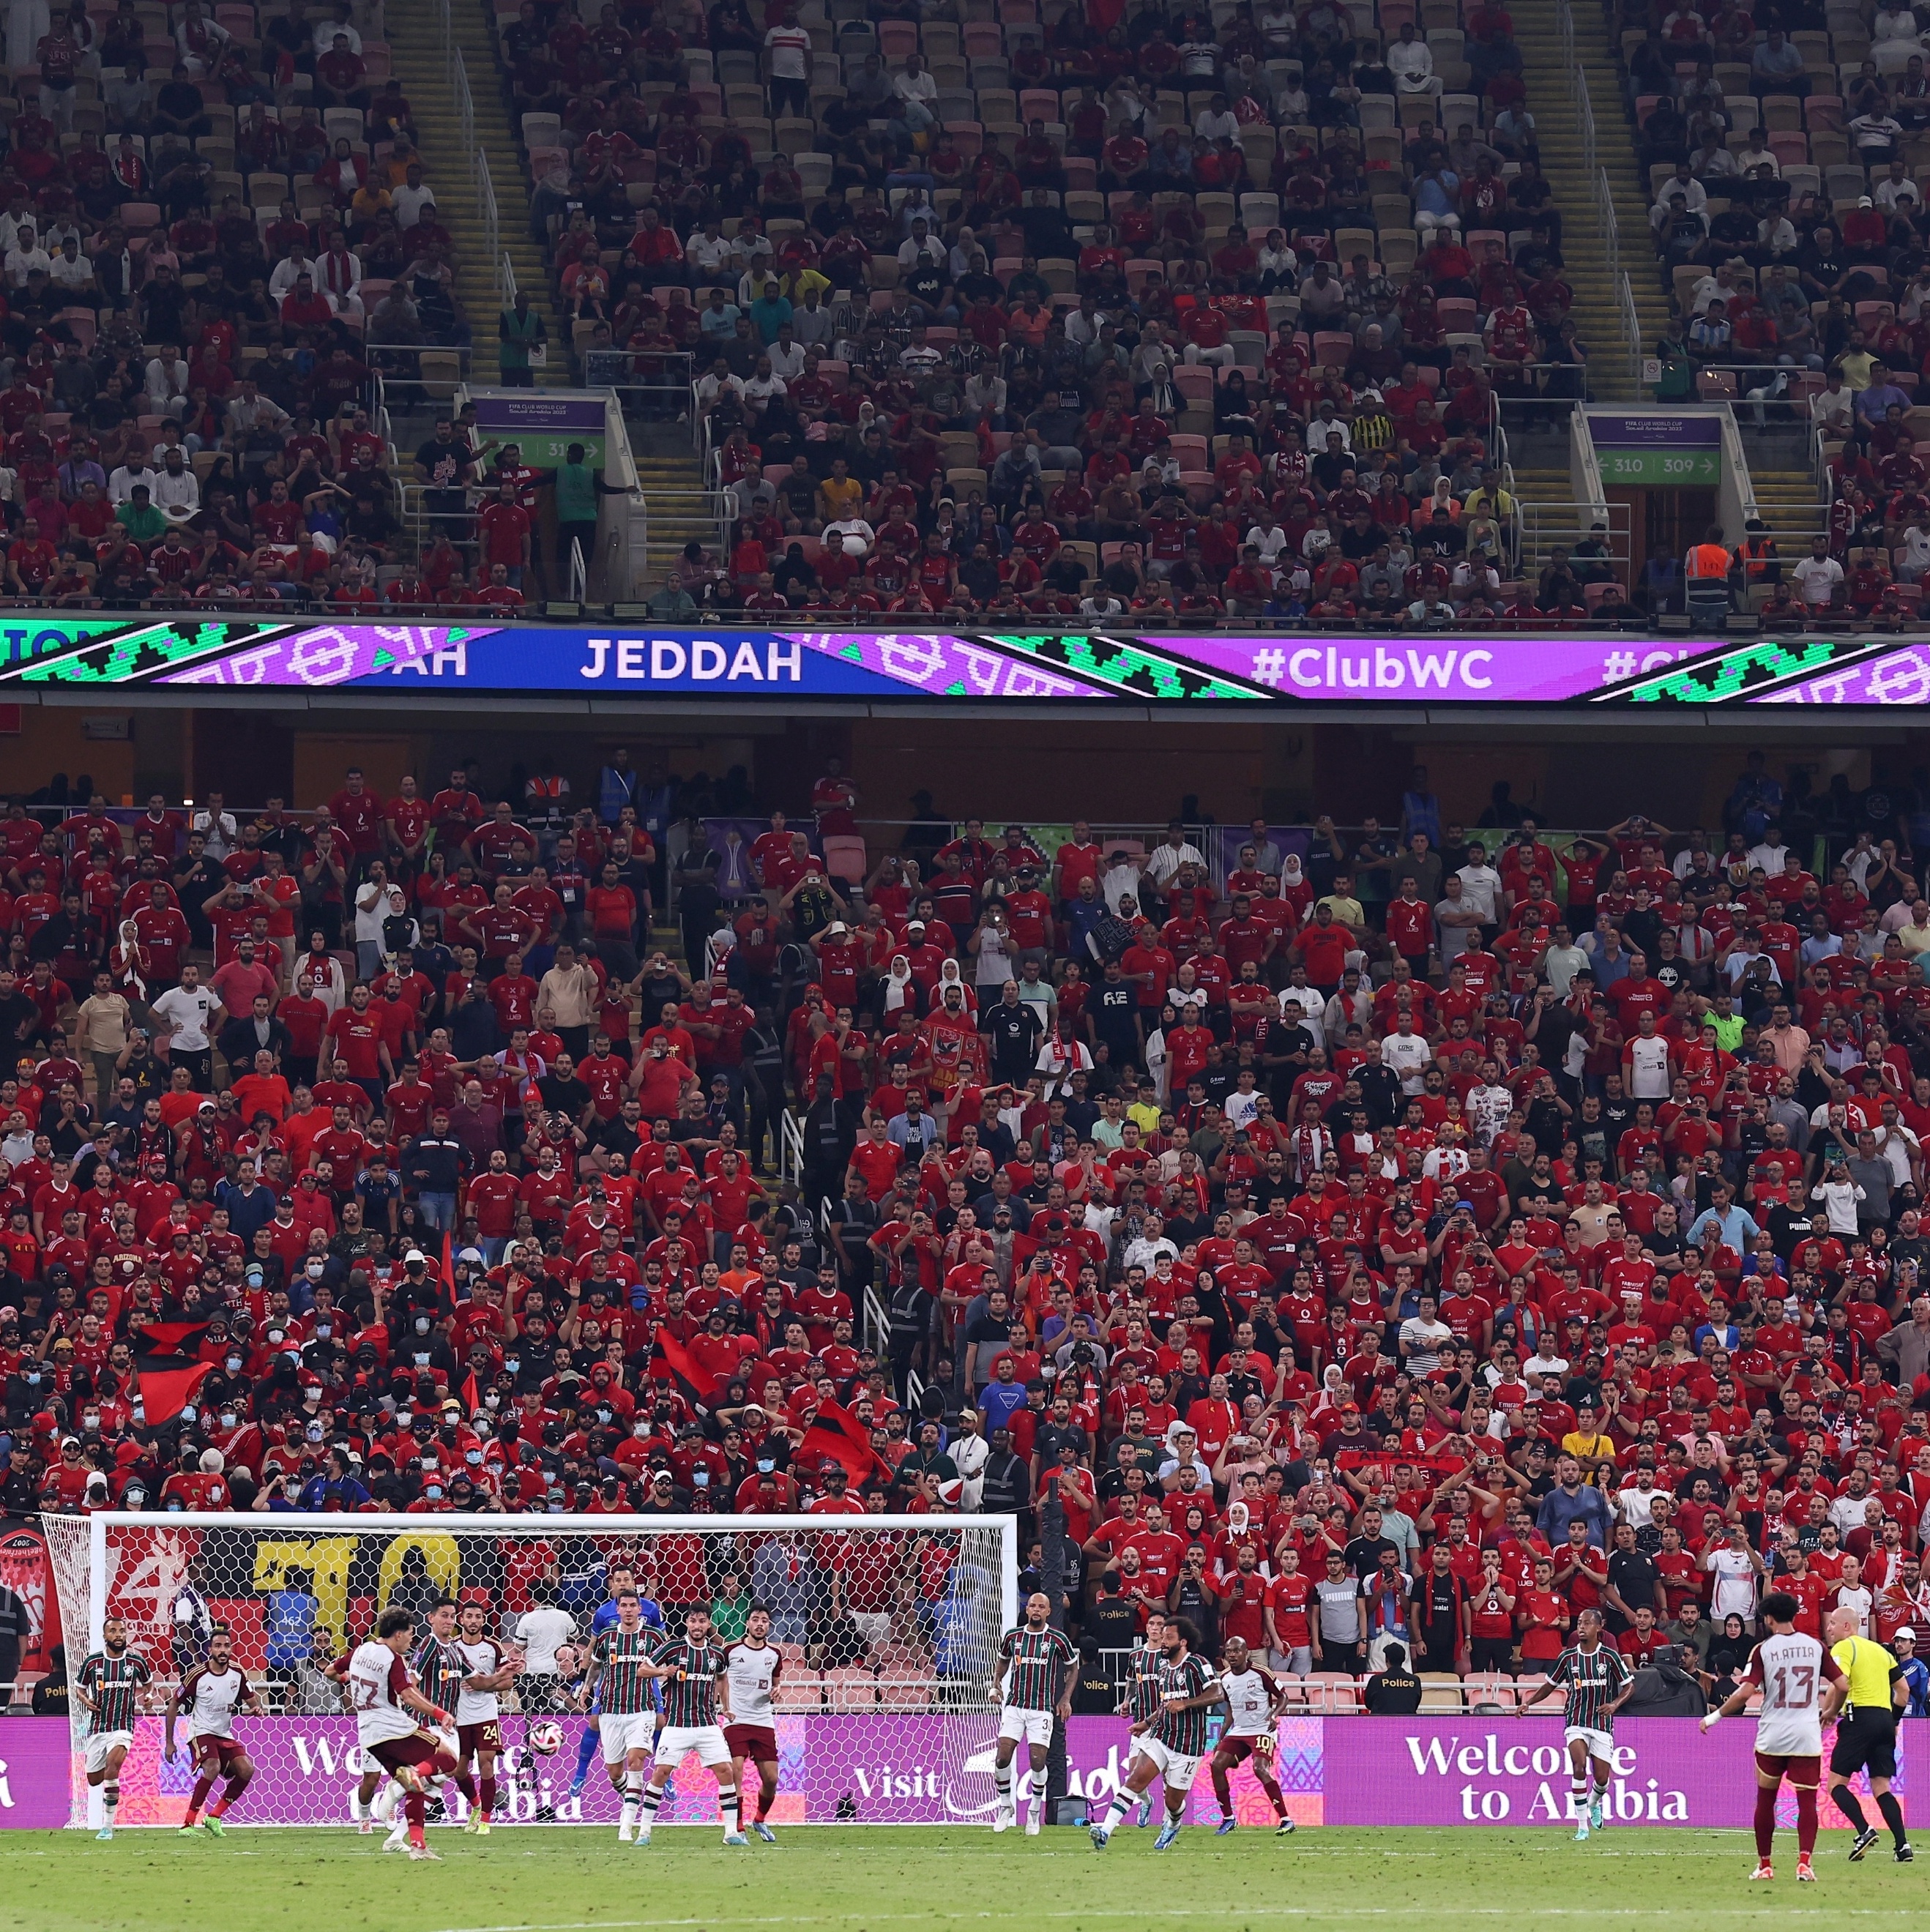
{"points": [[1180, 314], [216, 229], [1782, 148], [1419, 1232]]}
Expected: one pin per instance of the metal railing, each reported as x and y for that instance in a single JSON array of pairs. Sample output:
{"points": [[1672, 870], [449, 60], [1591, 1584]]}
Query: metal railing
{"points": [[485, 206], [1545, 525], [1630, 319], [653, 384], [457, 71], [1605, 216], [579, 573], [1584, 105], [398, 375]]}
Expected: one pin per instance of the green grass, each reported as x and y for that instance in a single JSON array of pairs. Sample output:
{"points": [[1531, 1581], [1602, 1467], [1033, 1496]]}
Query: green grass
{"points": [[857, 1879]]}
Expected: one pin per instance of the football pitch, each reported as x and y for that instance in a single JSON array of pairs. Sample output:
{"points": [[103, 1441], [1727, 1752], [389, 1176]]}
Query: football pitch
{"points": [[860, 1879]]}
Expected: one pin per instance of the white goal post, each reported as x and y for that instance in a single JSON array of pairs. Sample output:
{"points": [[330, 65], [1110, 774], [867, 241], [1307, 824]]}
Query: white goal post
{"points": [[889, 1627]]}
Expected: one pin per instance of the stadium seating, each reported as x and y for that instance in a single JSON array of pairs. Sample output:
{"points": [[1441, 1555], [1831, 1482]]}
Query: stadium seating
{"points": [[252, 149], [1787, 219], [1288, 248]]}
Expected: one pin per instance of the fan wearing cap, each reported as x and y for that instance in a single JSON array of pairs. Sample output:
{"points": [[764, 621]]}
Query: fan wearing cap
{"points": [[1914, 1670], [841, 962], [924, 955]]}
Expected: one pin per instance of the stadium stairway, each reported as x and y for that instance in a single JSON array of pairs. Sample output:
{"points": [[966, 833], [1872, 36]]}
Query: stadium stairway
{"points": [[415, 42], [681, 510], [667, 467], [1597, 321], [1787, 500], [1537, 485]]}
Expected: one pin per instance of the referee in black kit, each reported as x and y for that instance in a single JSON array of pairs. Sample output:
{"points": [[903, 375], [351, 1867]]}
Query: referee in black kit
{"points": [[1866, 1733]]}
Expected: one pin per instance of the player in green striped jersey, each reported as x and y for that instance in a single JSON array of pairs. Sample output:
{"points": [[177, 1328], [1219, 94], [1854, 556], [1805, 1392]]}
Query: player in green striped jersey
{"points": [[440, 1671], [109, 1685], [1171, 1745], [622, 1663], [696, 1707], [1598, 1680], [1142, 1697], [1043, 1664]]}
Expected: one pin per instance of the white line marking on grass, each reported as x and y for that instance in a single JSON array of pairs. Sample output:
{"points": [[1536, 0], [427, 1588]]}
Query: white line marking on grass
{"points": [[1290, 1911]]}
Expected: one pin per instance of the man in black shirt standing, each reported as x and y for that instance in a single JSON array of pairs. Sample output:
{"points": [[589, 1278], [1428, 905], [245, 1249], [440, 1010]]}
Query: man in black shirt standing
{"points": [[1365, 1552], [1633, 1581], [1115, 1018], [20, 1025], [1012, 1031], [1438, 1613], [564, 1093], [1053, 1434], [445, 465]]}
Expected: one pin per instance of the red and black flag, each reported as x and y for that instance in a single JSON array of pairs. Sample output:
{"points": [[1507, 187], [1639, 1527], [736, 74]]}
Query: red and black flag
{"points": [[671, 1362], [167, 1384], [836, 1435]]}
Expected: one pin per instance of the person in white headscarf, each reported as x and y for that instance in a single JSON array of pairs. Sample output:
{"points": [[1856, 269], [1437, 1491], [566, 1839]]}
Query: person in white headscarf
{"points": [[1158, 1061], [951, 974], [901, 990], [130, 964]]}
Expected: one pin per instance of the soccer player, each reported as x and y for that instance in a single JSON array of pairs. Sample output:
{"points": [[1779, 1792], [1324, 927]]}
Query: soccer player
{"points": [[1866, 1733], [1801, 1685], [755, 1664], [694, 1714], [619, 1578], [440, 1671], [621, 1666], [1142, 1698], [209, 1696], [1043, 1664], [386, 1705], [375, 1795], [1253, 1701], [1598, 1680], [1172, 1745], [488, 1670], [108, 1686]]}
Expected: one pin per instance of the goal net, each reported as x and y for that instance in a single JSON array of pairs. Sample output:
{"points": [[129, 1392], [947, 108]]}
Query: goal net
{"points": [[889, 1628]]}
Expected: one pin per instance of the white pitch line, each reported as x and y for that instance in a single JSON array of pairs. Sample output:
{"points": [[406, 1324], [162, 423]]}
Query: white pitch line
{"points": [[1290, 1911]]}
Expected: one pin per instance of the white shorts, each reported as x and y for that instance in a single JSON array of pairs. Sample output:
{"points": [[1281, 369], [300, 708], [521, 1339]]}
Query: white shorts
{"points": [[447, 1739], [874, 1626], [101, 1743], [1033, 1727], [630, 1731], [1176, 1773], [674, 1745], [1599, 1743]]}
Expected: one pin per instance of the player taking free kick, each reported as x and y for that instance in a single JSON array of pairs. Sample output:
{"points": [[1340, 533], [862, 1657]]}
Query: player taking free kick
{"points": [[386, 1706]]}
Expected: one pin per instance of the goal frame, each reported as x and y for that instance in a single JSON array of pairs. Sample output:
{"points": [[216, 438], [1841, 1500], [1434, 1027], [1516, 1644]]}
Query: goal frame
{"points": [[967, 1717], [292, 1522]]}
